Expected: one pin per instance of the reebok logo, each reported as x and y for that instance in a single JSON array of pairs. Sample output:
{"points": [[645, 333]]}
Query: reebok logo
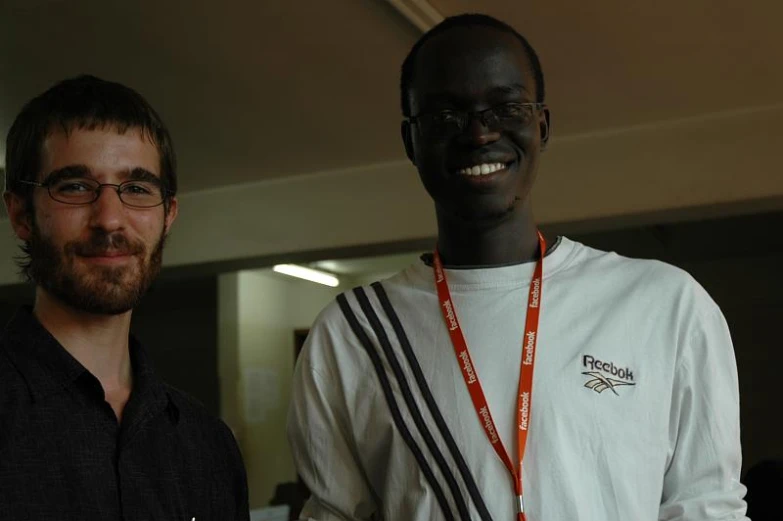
{"points": [[605, 375], [608, 367]]}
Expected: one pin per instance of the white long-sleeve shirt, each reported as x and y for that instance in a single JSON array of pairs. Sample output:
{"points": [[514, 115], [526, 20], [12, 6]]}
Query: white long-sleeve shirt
{"points": [[635, 413]]}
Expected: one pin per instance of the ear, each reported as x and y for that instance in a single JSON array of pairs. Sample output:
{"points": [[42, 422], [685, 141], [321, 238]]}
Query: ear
{"points": [[171, 215], [545, 126], [19, 215], [407, 140]]}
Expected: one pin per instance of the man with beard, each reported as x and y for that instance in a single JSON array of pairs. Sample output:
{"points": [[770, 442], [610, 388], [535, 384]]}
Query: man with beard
{"points": [[88, 431], [415, 398]]}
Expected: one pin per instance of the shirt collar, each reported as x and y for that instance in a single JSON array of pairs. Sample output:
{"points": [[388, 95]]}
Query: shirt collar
{"points": [[44, 364], [48, 368]]}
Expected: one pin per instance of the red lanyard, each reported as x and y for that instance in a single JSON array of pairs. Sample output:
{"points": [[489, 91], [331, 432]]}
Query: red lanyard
{"points": [[525, 397]]}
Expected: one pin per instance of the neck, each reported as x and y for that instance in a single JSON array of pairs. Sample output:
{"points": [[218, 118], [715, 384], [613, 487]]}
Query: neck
{"points": [[512, 240], [98, 342]]}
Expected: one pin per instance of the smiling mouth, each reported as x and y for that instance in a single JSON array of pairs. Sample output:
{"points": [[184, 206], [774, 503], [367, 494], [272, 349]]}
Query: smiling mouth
{"points": [[482, 169], [109, 257], [110, 253]]}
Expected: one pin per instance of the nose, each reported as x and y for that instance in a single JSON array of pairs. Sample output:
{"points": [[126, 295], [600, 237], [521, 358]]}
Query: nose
{"points": [[108, 212], [478, 133]]}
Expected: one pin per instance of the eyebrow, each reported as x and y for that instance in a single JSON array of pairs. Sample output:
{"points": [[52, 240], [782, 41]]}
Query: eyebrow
{"points": [[142, 174], [436, 98], [67, 172], [514, 89], [79, 171]]}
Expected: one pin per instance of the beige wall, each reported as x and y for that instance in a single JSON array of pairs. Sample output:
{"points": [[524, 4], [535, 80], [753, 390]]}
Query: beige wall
{"points": [[228, 354], [259, 311], [727, 160]]}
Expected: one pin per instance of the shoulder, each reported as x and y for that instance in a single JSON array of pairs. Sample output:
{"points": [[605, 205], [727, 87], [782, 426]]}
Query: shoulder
{"points": [[332, 341], [197, 421], [338, 337], [209, 443], [654, 281], [338, 320], [589, 258], [12, 383], [332, 316], [8, 370], [406, 282], [191, 409], [342, 313]]}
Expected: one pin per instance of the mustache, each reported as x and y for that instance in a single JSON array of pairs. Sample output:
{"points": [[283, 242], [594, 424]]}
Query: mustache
{"points": [[100, 243]]}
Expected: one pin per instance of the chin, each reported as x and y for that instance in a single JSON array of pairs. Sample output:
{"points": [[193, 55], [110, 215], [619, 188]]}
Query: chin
{"points": [[482, 215], [102, 290], [101, 295]]}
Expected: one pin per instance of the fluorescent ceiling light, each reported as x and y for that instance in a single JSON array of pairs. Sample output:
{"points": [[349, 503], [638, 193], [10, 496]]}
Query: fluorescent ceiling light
{"points": [[300, 272]]}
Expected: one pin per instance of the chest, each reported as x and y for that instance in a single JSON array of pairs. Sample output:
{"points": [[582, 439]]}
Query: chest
{"points": [[61, 458], [601, 388]]}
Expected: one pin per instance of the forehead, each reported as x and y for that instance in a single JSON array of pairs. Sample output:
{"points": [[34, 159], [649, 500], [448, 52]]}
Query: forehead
{"points": [[468, 63], [105, 151]]}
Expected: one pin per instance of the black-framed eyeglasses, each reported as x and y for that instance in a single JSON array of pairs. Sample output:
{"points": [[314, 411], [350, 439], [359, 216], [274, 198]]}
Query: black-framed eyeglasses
{"points": [[83, 191], [446, 123]]}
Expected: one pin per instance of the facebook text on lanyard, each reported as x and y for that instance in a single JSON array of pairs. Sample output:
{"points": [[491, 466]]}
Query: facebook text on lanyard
{"points": [[524, 399]]}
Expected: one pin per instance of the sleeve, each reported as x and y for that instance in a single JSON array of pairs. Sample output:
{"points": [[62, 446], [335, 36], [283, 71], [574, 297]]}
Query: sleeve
{"points": [[321, 440], [702, 480]]}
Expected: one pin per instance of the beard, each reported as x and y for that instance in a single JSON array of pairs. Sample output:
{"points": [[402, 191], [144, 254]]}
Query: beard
{"points": [[99, 290]]}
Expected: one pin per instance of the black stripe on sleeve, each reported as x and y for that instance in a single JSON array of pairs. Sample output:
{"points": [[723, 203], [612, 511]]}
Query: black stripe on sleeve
{"points": [[475, 494], [393, 408], [383, 338]]}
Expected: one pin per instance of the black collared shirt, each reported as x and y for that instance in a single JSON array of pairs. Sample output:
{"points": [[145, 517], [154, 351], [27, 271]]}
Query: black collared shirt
{"points": [[64, 456]]}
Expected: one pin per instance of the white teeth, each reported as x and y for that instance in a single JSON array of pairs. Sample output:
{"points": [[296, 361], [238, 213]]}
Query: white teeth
{"points": [[482, 169]]}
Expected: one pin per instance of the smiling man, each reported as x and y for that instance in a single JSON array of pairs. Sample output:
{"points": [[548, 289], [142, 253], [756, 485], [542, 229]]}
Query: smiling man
{"points": [[87, 429], [507, 375]]}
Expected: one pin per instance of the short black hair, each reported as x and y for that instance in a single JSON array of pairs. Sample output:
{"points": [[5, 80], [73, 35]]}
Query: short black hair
{"points": [[83, 102], [466, 20]]}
